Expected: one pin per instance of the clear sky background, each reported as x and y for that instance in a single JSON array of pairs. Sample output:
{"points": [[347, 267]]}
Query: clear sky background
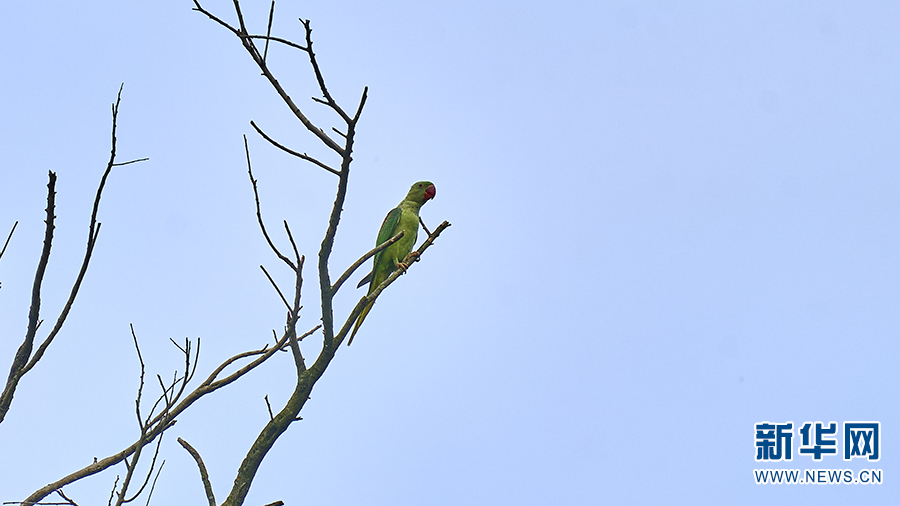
{"points": [[670, 222]]}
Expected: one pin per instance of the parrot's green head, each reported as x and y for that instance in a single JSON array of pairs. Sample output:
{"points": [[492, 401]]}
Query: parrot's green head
{"points": [[421, 192]]}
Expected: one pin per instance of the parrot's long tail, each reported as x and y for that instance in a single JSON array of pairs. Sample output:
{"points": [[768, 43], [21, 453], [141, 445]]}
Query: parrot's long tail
{"points": [[362, 316]]}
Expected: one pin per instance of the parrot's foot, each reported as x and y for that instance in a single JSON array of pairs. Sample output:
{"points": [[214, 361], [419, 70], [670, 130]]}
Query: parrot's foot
{"points": [[412, 257]]}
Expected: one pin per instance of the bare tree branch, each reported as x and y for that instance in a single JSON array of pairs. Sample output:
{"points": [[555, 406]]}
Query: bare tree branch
{"points": [[112, 493], [268, 38], [269, 30], [272, 281], [5, 244], [295, 314], [362, 103], [20, 361], [129, 162], [321, 80], [262, 225], [63, 495], [146, 478], [279, 423], [425, 228], [303, 156], [204, 475], [297, 255], [137, 401]]}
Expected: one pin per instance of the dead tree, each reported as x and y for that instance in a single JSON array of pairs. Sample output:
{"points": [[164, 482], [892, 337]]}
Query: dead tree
{"points": [[174, 396], [332, 336]]}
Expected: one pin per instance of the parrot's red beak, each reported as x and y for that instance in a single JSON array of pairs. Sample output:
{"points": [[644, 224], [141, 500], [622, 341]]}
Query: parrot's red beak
{"points": [[429, 193]]}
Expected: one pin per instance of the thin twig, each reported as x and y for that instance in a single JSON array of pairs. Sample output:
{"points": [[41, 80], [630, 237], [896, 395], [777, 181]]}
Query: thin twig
{"points": [[302, 156], [165, 389], [424, 227], [137, 401], [362, 103], [269, 407], [297, 255], [240, 15], [276, 287], [269, 30], [153, 486], [321, 80], [113, 492], [259, 218], [275, 39], [188, 372], [2, 251], [63, 495], [182, 350], [129, 162]]}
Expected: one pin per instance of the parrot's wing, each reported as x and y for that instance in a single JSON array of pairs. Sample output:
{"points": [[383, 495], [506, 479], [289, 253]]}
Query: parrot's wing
{"points": [[388, 229], [389, 226]]}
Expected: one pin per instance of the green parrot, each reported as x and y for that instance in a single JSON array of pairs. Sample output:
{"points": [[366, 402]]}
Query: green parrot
{"points": [[403, 217]]}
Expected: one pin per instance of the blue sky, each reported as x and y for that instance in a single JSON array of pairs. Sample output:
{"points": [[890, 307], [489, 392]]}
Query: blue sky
{"points": [[670, 222]]}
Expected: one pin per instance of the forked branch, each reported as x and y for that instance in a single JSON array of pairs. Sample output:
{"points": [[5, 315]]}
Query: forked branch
{"points": [[250, 46], [306, 377], [24, 360], [167, 417]]}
